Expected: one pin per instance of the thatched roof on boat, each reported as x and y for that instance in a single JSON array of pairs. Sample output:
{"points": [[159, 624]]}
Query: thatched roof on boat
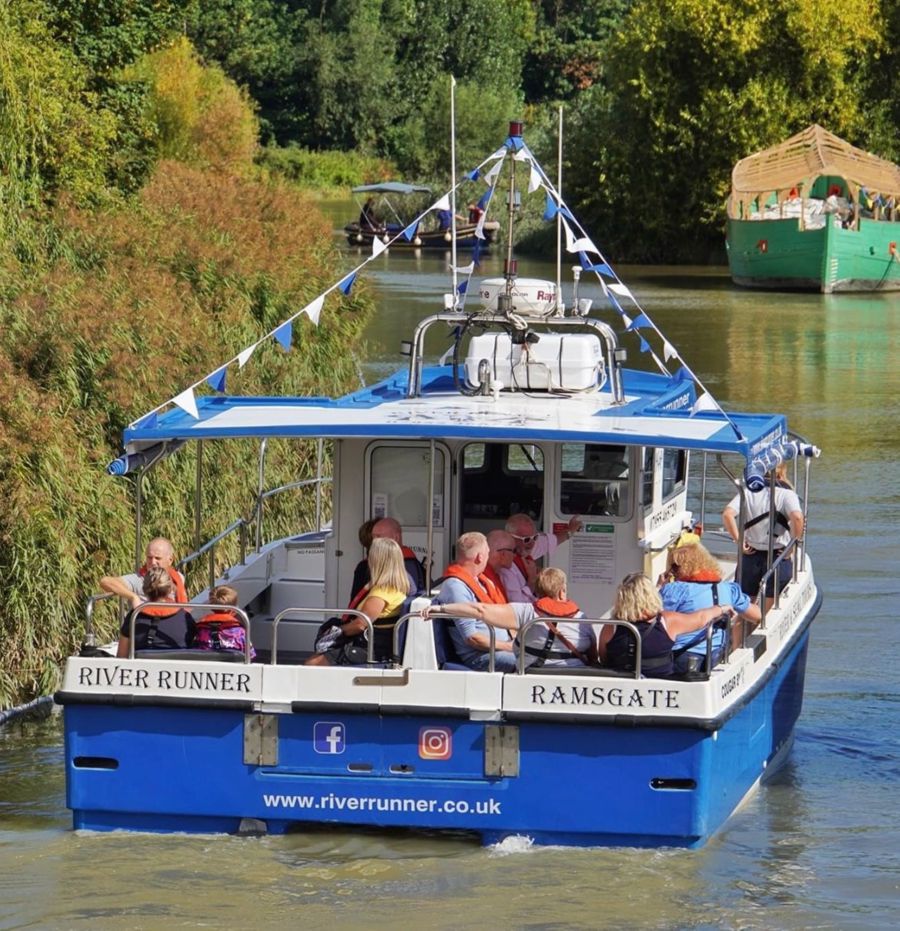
{"points": [[810, 154]]}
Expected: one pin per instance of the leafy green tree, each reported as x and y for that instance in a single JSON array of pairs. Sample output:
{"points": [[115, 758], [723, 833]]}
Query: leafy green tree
{"points": [[694, 85], [53, 136], [566, 56]]}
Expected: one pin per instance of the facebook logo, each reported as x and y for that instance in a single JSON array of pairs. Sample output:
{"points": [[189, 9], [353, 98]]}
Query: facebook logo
{"points": [[329, 737]]}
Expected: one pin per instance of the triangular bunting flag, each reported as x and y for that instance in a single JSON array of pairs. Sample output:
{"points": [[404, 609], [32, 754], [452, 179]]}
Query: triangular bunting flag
{"points": [[188, 403], [669, 351], [443, 203], [314, 310], [570, 238], [483, 200], [150, 421], [534, 180], [464, 269], [410, 231], [492, 172], [645, 346], [474, 174], [515, 143], [706, 402], [476, 253], [551, 210], [585, 261], [641, 320], [245, 354], [462, 287], [584, 245], [216, 381], [621, 290], [347, 283], [626, 320], [378, 246], [603, 269], [284, 335], [683, 374]]}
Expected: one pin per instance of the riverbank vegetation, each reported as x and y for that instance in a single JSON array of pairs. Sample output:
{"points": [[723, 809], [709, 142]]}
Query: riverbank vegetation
{"points": [[141, 247], [151, 156]]}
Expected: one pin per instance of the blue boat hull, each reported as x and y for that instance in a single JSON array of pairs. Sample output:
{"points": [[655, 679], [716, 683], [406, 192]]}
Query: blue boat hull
{"points": [[176, 768]]}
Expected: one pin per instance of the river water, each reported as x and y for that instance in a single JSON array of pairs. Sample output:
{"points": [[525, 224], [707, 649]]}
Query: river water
{"points": [[817, 848]]}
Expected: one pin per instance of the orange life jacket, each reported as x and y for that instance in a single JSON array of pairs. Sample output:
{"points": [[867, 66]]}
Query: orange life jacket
{"points": [[223, 619], [482, 587], [553, 607], [492, 574], [177, 579]]}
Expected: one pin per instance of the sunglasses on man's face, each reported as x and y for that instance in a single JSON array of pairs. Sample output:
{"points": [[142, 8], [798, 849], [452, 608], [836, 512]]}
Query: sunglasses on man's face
{"points": [[526, 540]]}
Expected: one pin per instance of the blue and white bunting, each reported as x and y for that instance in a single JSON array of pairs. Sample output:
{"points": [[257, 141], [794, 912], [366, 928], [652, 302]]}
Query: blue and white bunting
{"points": [[377, 246], [347, 283], [187, 402], [705, 402], [551, 210], [216, 380], [313, 310], [244, 355], [284, 335]]}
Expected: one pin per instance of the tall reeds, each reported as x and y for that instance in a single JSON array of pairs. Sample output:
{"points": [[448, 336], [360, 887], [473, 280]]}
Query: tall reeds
{"points": [[112, 313]]}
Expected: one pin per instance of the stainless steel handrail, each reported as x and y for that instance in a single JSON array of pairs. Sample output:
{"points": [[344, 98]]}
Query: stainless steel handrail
{"points": [[90, 639], [761, 599], [593, 622], [318, 612], [492, 636], [239, 613]]}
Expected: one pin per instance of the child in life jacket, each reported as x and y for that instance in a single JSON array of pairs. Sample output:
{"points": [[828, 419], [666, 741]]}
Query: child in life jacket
{"points": [[221, 629]]}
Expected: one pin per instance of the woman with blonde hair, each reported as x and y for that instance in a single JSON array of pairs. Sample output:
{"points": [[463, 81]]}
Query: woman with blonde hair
{"points": [[695, 582], [638, 601], [163, 625], [381, 603]]}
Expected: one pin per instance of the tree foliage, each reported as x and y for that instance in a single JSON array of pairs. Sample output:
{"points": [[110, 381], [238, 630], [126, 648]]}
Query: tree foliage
{"points": [[694, 85]]}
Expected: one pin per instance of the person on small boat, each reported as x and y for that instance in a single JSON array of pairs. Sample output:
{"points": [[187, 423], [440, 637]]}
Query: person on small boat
{"points": [[531, 546], [389, 529], [367, 220], [696, 582], [638, 601], [221, 630], [381, 602], [157, 627], [502, 546], [560, 641], [465, 583], [160, 552], [475, 214], [788, 526]]}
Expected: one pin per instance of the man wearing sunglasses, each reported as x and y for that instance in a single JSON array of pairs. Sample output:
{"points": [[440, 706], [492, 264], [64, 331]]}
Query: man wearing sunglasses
{"points": [[531, 546]]}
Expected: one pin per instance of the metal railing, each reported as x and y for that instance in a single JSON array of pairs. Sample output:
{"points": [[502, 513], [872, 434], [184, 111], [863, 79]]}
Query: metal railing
{"points": [[244, 524], [239, 614], [319, 612]]}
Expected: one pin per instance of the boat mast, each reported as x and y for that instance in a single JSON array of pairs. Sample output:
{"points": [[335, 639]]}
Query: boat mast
{"points": [[559, 164], [510, 266], [453, 188]]}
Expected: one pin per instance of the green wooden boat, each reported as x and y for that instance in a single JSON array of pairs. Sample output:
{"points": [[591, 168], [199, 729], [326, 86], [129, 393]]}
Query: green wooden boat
{"points": [[816, 214]]}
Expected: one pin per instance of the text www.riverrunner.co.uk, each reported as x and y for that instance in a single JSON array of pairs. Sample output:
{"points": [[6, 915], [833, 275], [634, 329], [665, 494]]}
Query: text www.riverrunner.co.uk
{"points": [[333, 802]]}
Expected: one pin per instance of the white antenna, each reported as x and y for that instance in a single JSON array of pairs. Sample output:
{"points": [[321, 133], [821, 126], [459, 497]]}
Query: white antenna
{"points": [[559, 163], [453, 186]]}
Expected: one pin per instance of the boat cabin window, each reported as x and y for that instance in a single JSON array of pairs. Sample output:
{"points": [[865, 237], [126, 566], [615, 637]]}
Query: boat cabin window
{"points": [[674, 472], [399, 485], [499, 479], [594, 479], [647, 477]]}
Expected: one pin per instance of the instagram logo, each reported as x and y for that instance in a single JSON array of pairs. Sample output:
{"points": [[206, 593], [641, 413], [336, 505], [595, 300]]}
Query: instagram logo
{"points": [[435, 743]]}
